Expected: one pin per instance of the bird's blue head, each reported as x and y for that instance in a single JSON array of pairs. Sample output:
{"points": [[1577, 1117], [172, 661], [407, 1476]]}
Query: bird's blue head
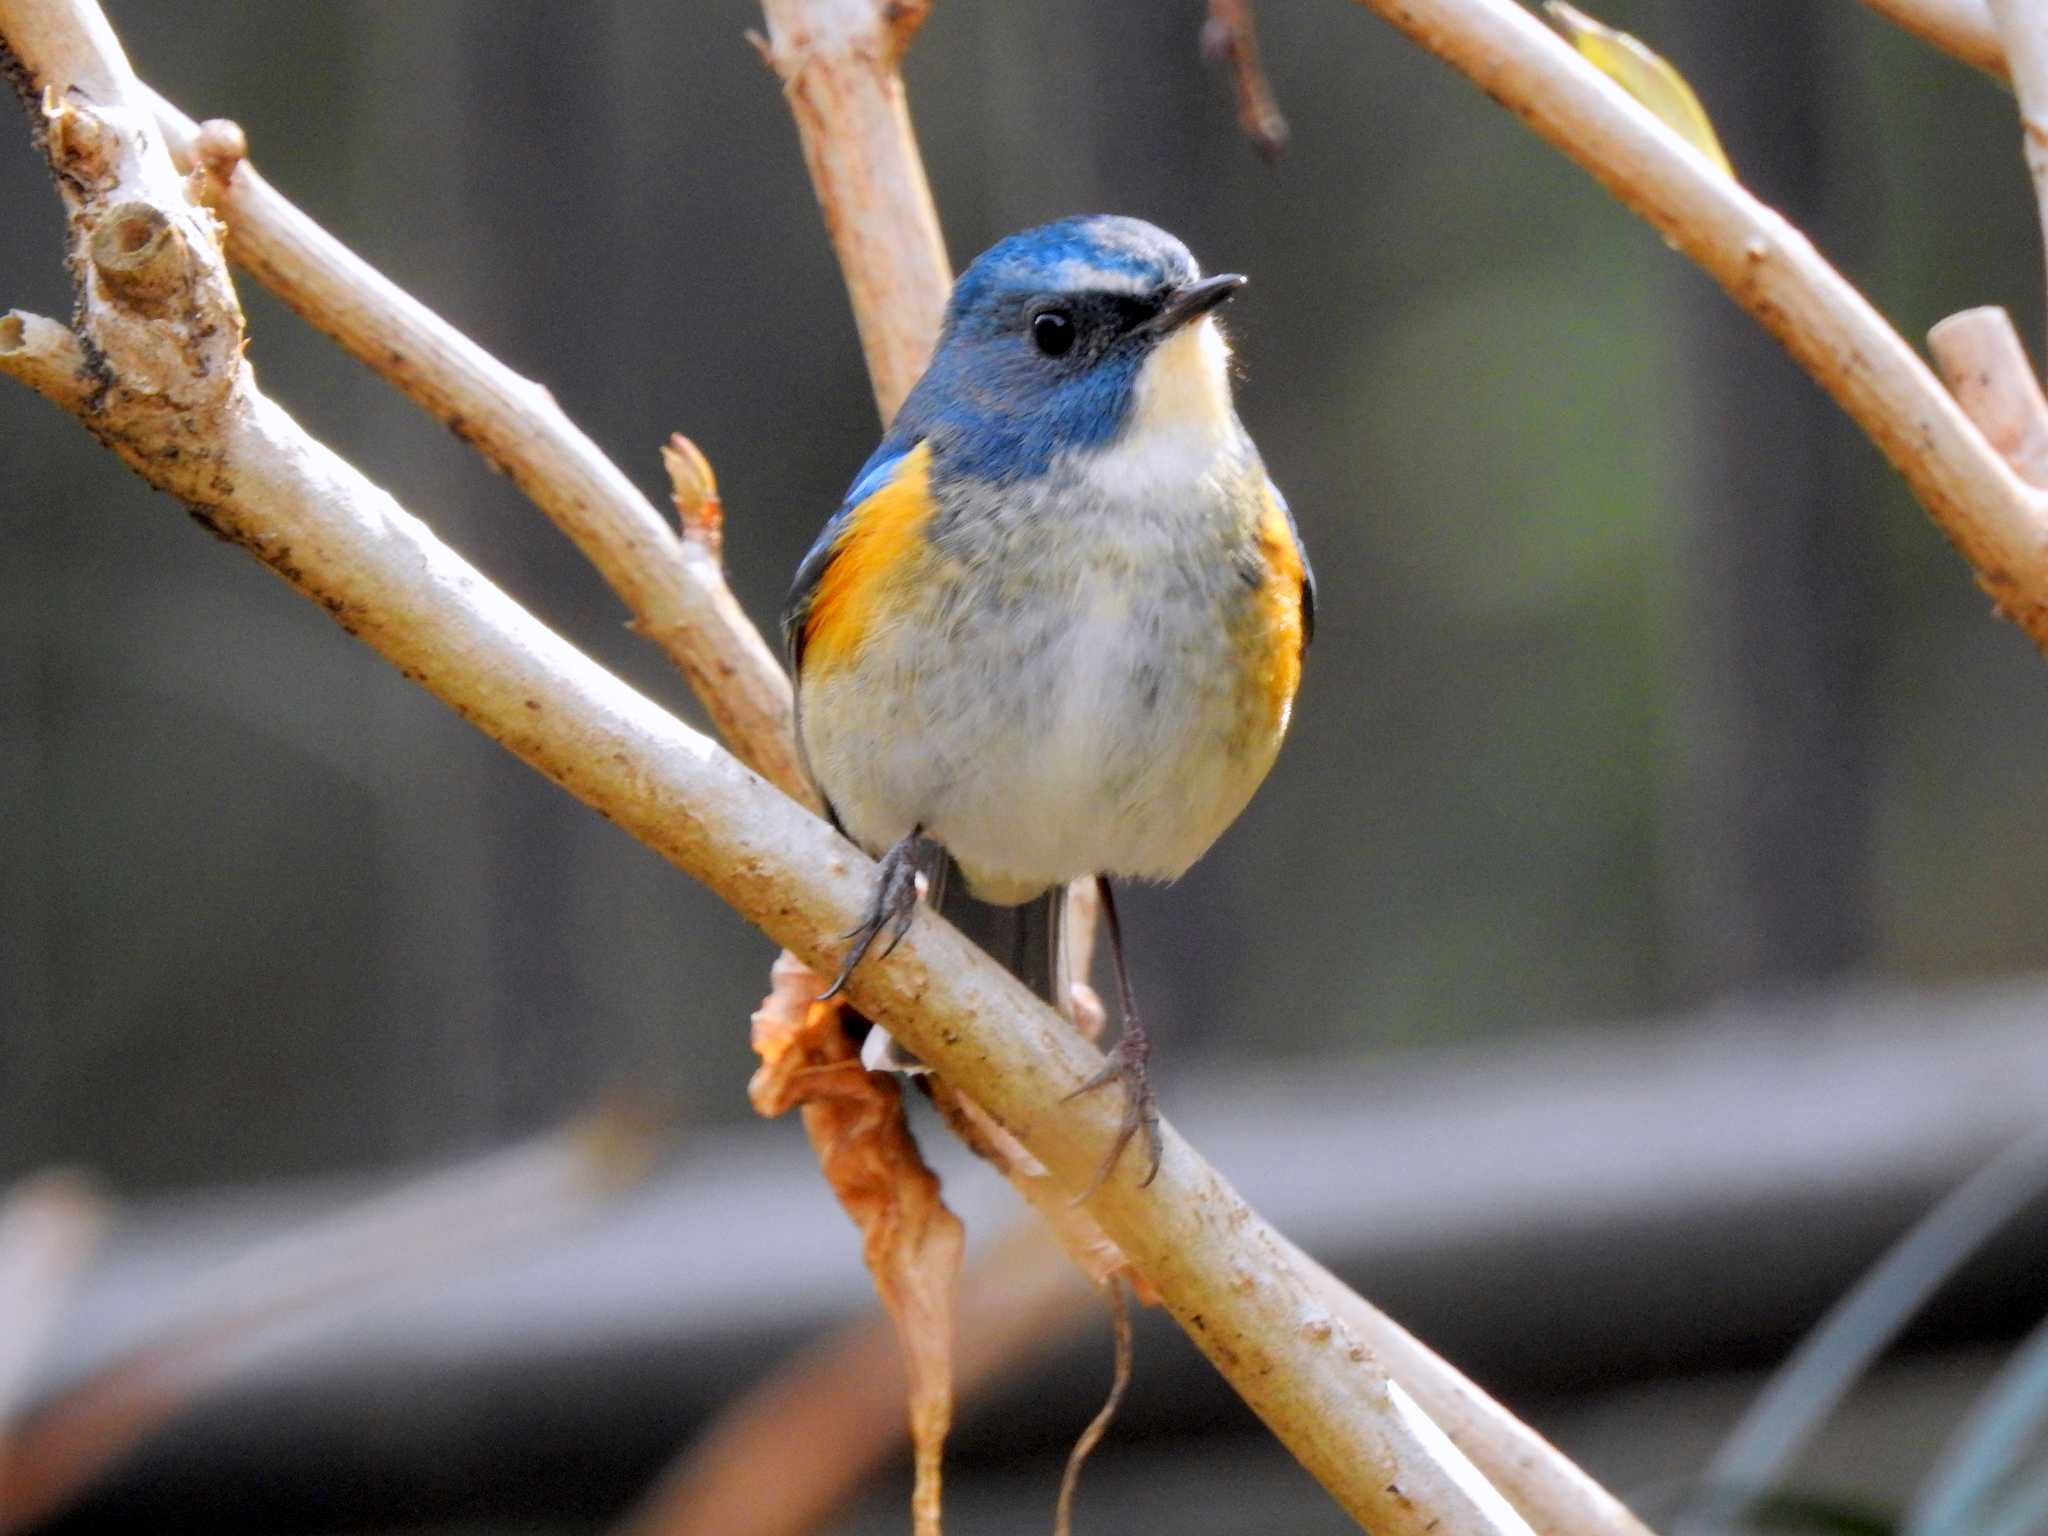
{"points": [[1068, 338]]}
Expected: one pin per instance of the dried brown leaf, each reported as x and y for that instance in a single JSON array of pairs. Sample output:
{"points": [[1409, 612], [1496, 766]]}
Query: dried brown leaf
{"points": [[911, 1242]]}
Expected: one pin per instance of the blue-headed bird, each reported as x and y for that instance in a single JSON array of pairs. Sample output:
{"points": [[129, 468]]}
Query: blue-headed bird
{"points": [[1055, 630]]}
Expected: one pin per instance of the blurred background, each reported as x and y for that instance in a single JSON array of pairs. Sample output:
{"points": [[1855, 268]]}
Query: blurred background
{"points": [[1644, 923]]}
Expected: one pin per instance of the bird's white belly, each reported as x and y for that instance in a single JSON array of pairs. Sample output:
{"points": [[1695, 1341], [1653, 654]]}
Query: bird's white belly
{"points": [[1102, 732]]}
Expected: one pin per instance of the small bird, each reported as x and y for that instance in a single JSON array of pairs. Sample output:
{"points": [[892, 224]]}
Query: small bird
{"points": [[1055, 630]]}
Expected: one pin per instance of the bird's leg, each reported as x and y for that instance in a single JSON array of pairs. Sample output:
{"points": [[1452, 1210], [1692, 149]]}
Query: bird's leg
{"points": [[1126, 1063], [892, 906]]}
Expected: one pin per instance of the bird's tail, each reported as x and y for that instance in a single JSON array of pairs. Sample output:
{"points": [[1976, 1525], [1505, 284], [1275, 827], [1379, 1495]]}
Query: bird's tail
{"points": [[1028, 939]]}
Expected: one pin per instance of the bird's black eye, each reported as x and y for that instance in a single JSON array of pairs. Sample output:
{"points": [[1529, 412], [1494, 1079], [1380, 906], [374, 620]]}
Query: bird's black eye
{"points": [[1052, 331]]}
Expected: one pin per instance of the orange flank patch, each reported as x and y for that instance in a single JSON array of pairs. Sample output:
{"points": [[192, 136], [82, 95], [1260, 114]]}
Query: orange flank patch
{"points": [[882, 537], [1280, 612]]}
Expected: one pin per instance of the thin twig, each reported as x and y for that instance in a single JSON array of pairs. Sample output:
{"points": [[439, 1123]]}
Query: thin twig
{"points": [[837, 60], [47, 358], [1981, 356], [2023, 29], [676, 592], [1230, 38], [1995, 520], [1119, 1383], [1962, 28], [839, 63]]}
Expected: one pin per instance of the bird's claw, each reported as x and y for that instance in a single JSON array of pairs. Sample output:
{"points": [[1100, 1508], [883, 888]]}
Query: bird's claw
{"points": [[893, 907], [1126, 1065]]}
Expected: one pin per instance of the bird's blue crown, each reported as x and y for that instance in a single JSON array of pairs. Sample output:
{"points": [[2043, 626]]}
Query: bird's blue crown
{"points": [[995, 406], [1099, 252]]}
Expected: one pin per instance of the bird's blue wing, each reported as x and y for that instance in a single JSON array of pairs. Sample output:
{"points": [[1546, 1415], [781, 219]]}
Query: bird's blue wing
{"points": [[879, 470]]}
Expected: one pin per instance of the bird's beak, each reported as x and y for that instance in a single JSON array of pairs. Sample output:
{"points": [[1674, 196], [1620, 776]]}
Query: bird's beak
{"points": [[1193, 302]]}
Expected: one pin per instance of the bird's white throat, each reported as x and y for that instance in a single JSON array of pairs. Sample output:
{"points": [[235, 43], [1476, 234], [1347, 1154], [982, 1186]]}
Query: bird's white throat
{"points": [[1181, 419]]}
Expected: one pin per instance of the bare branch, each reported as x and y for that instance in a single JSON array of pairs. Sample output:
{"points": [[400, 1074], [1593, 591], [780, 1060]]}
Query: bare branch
{"points": [[837, 61], [1997, 522], [675, 591], [1231, 38], [1222, 1270], [2023, 28], [1981, 356], [1959, 27], [47, 358]]}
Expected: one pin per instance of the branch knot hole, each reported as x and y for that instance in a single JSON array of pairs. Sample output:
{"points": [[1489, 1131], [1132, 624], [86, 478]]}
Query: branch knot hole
{"points": [[139, 255]]}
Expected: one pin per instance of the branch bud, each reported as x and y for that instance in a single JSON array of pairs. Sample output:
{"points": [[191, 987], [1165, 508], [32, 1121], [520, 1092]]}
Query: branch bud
{"points": [[219, 147], [83, 147]]}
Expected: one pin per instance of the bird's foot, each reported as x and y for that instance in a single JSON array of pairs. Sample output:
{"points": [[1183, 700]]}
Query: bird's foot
{"points": [[1126, 1066], [890, 908]]}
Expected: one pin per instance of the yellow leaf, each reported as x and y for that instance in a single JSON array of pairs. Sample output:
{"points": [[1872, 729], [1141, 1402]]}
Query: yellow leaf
{"points": [[1643, 74]]}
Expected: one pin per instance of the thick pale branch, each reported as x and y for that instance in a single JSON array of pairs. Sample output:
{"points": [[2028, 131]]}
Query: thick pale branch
{"points": [[1959, 27], [675, 591], [837, 62], [1770, 269]]}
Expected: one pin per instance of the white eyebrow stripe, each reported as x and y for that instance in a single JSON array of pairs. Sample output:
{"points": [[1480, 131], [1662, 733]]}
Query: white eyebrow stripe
{"points": [[1076, 276]]}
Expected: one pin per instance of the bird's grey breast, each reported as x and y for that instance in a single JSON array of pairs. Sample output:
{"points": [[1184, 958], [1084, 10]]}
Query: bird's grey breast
{"points": [[1093, 588]]}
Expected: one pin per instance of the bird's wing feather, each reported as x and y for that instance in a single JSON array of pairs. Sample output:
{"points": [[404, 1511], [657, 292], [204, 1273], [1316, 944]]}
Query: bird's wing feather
{"points": [[877, 478]]}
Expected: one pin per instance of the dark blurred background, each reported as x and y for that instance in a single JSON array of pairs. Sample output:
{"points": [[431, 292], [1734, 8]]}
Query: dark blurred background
{"points": [[1644, 699]]}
